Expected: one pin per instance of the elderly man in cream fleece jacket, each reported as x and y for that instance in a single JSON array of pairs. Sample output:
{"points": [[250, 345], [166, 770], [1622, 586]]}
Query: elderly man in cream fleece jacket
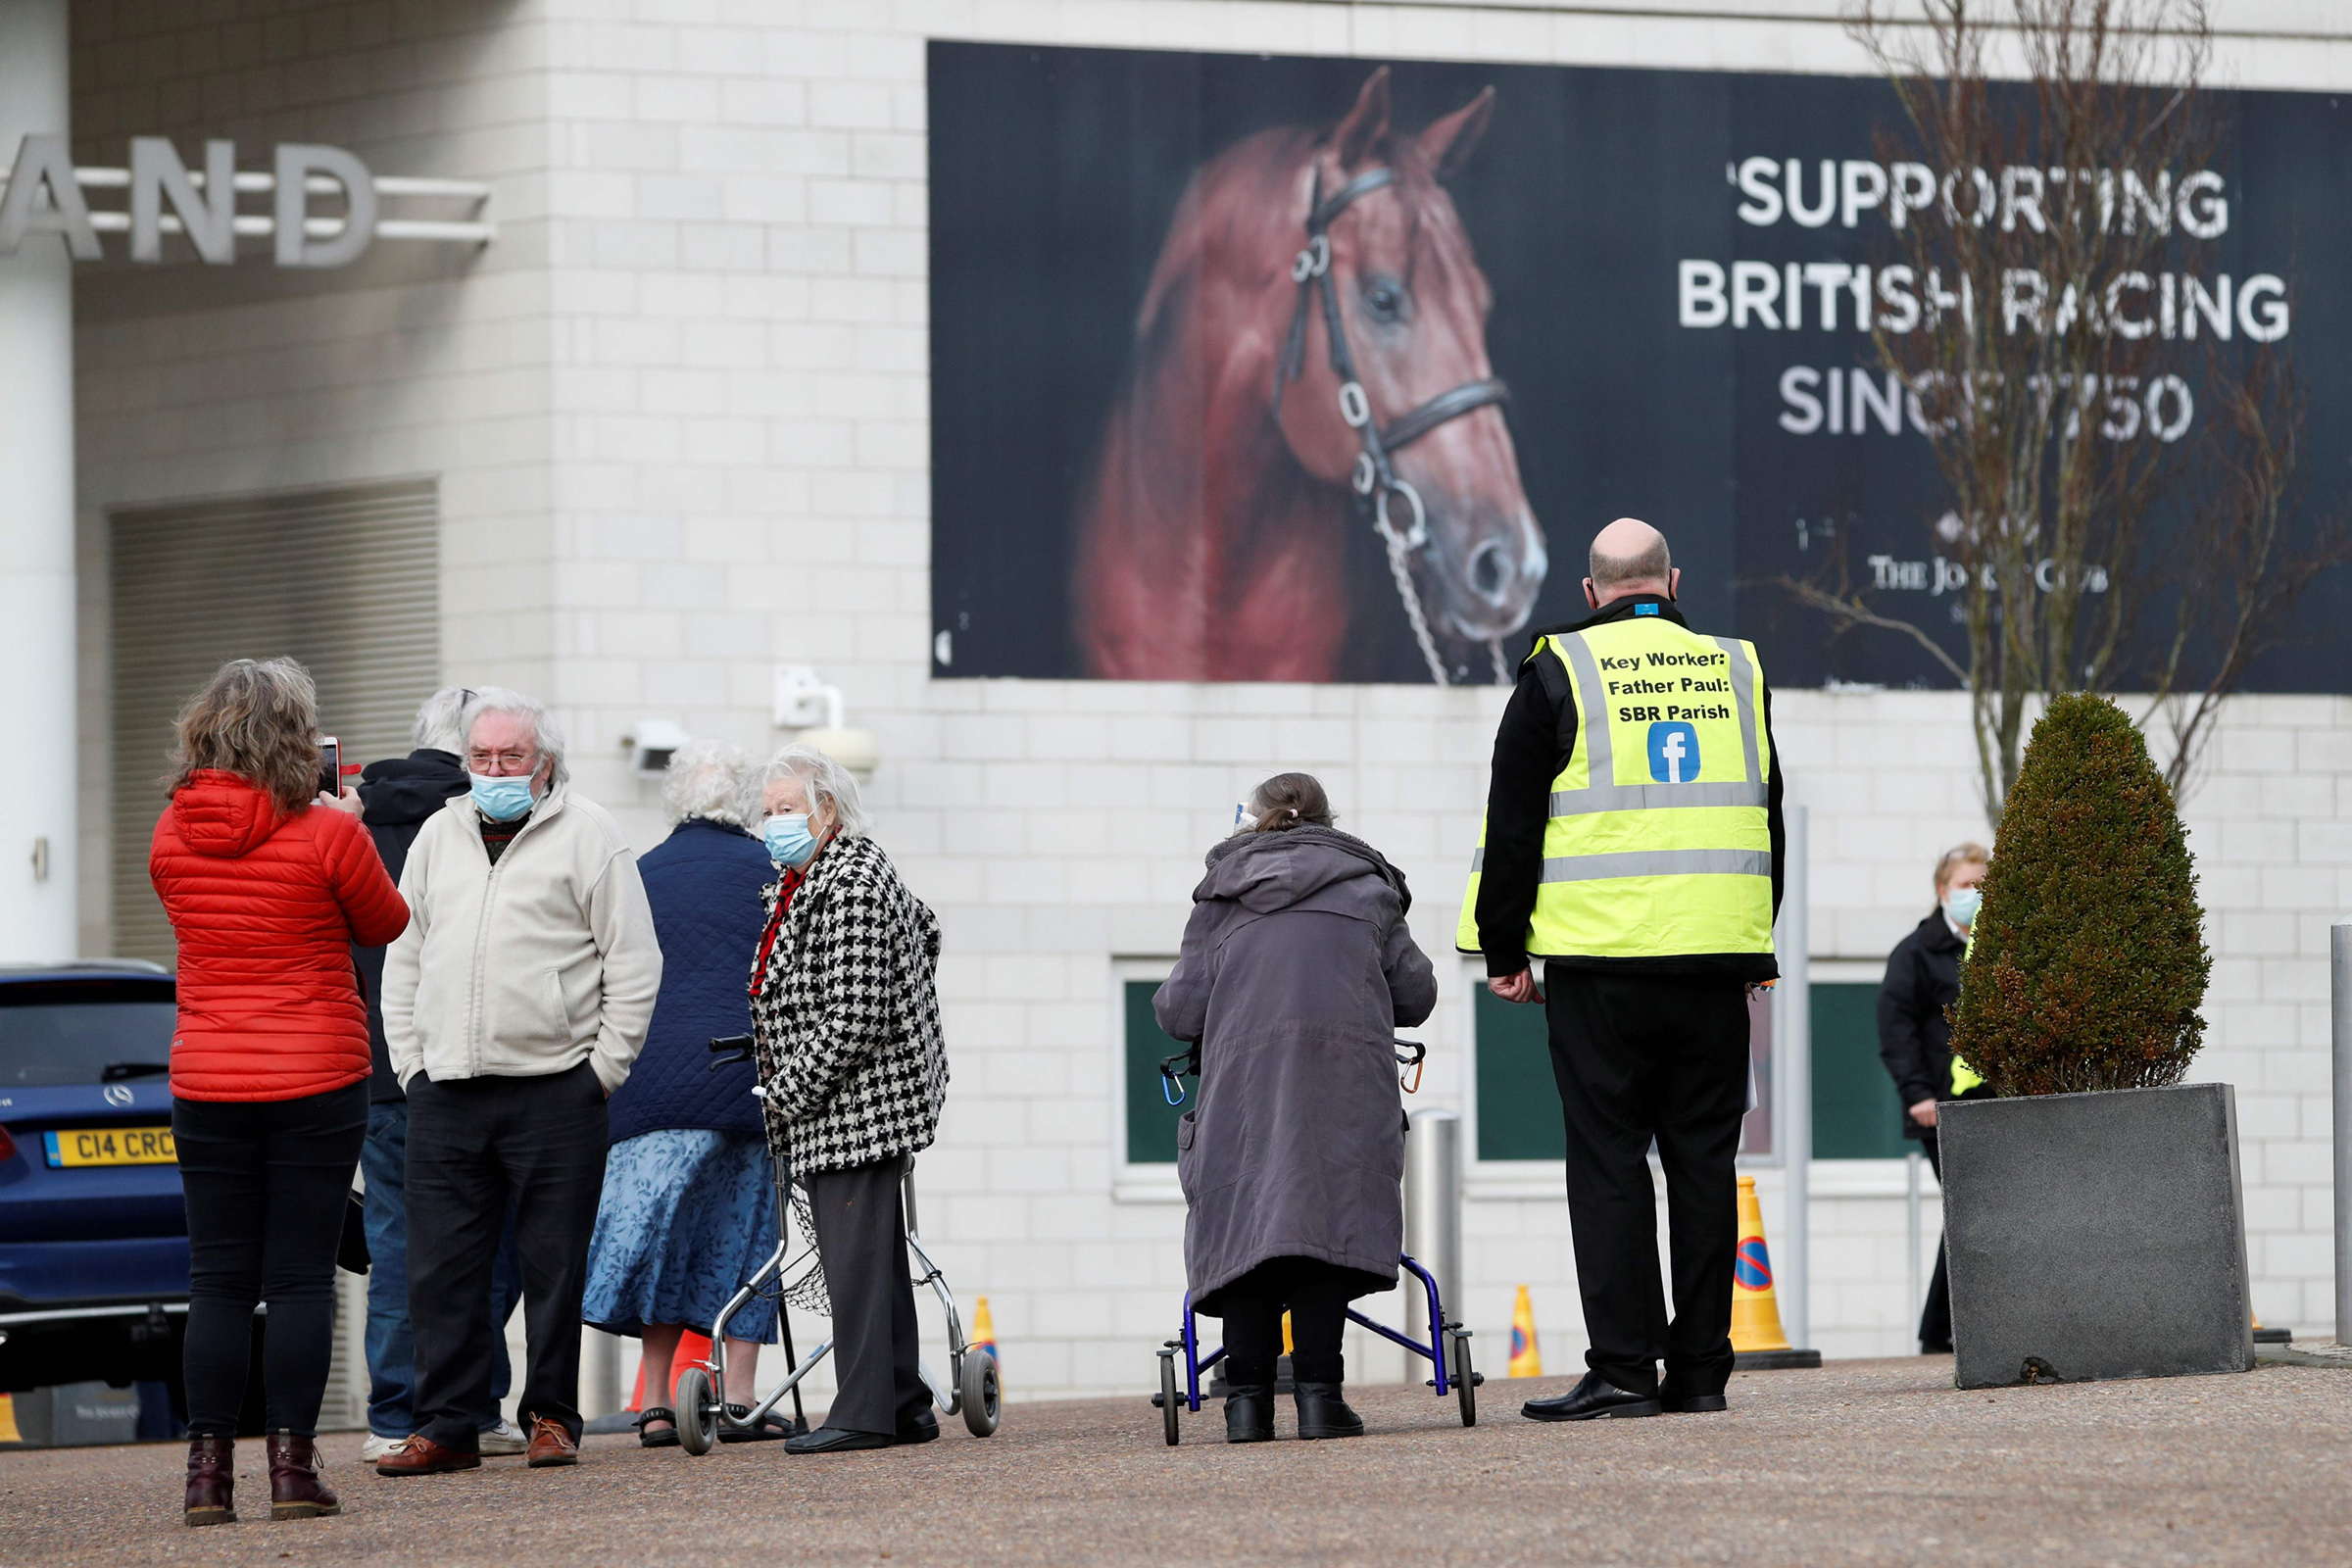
{"points": [[514, 1005]]}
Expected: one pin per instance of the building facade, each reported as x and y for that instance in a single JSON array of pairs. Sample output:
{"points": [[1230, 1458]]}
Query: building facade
{"points": [[669, 430]]}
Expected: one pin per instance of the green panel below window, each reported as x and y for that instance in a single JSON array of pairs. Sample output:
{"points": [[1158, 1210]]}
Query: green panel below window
{"points": [[1854, 1112], [1151, 1119], [1518, 1100]]}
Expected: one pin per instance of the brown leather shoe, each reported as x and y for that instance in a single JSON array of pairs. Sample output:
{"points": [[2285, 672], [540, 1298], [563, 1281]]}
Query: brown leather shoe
{"points": [[211, 1481], [552, 1444], [294, 1489], [420, 1455]]}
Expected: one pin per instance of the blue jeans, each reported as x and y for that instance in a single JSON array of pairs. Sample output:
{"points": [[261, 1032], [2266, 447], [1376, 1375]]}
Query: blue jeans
{"points": [[391, 1347]]}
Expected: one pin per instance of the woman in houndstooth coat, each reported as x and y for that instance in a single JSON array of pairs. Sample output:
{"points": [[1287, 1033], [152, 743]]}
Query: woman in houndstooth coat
{"points": [[845, 1014]]}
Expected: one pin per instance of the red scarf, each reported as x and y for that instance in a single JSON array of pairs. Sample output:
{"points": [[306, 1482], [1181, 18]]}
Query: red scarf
{"points": [[791, 884]]}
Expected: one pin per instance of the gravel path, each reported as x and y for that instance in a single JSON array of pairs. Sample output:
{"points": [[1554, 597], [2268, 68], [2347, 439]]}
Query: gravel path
{"points": [[1861, 1462]]}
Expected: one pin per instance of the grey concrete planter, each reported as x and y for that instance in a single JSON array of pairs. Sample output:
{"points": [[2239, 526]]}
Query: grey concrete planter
{"points": [[2096, 1236]]}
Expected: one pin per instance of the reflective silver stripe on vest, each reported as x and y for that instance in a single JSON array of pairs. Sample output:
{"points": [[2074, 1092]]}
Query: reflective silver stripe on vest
{"points": [[1605, 794], [1647, 862]]}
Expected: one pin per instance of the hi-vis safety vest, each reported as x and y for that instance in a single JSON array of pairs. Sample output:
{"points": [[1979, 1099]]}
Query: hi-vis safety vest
{"points": [[1660, 841]]}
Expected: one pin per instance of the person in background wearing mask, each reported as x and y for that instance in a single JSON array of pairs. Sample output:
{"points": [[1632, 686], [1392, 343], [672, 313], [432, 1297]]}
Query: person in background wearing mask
{"points": [[1923, 979], [513, 1005], [845, 1017], [398, 796], [689, 1209]]}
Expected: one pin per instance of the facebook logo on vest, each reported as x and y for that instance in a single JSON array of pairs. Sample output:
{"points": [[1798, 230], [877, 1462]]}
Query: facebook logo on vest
{"points": [[1673, 751]]}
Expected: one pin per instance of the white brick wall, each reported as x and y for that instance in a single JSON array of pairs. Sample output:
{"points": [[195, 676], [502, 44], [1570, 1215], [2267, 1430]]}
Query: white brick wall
{"points": [[680, 412]]}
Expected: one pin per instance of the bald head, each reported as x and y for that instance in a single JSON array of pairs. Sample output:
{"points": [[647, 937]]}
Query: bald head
{"points": [[1629, 556]]}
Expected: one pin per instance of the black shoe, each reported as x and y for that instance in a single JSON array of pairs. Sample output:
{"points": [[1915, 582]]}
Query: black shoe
{"points": [[1596, 1398], [1322, 1413], [772, 1428], [666, 1437], [923, 1428], [1250, 1412], [835, 1440], [1674, 1403]]}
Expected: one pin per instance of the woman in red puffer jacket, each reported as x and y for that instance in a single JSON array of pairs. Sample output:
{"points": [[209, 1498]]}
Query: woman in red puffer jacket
{"points": [[269, 883]]}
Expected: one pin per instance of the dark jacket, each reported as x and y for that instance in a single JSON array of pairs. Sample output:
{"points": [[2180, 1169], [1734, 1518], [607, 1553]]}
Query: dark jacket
{"points": [[704, 885], [847, 1015], [1531, 746], [1296, 972], [1923, 978], [397, 796]]}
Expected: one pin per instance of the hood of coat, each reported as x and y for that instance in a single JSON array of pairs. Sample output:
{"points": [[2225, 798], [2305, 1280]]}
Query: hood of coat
{"points": [[1264, 872], [404, 791], [224, 814]]}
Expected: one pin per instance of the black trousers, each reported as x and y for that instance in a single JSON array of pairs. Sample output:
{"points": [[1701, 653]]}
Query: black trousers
{"points": [[878, 1351], [1314, 1292], [266, 1182], [1644, 1059], [475, 1145], [1935, 1316]]}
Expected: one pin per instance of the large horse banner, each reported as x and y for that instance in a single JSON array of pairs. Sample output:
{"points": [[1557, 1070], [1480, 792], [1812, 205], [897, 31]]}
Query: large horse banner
{"points": [[1327, 369]]}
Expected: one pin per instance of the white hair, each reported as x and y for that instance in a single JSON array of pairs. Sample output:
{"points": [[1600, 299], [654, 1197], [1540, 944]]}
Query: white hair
{"points": [[711, 780], [546, 734], [440, 725], [823, 781]]}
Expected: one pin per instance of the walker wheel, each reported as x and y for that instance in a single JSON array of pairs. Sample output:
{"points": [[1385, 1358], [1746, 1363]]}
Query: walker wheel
{"points": [[697, 1410], [983, 1397], [1168, 1398], [1465, 1380]]}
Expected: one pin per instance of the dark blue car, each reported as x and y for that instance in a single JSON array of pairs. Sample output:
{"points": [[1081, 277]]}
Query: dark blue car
{"points": [[93, 1236]]}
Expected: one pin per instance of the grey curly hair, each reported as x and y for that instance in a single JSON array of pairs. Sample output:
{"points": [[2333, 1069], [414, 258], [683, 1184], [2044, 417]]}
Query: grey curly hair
{"points": [[712, 780]]}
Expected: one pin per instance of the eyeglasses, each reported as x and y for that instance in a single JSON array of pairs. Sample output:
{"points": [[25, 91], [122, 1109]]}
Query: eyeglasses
{"points": [[501, 764]]}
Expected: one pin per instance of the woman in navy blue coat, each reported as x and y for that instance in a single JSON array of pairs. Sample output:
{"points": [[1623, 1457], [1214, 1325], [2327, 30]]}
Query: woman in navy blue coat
{"points": [[689, 1209]]}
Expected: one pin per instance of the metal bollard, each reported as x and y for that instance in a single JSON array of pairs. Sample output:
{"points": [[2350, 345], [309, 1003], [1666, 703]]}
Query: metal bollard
{"points": [[1433, 1212], [600, 1375], [1913, 1163], [2340, 987]]}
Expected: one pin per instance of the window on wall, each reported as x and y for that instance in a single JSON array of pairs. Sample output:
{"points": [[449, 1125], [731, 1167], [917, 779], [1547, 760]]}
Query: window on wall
{"points": [[1855, 1109], [1518, 1103], [1854, 1112], [1151, 1119]]}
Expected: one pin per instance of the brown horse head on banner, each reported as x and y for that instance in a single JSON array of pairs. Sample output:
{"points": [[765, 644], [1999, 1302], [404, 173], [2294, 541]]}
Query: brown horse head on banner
{"points": [[1305, 474]]}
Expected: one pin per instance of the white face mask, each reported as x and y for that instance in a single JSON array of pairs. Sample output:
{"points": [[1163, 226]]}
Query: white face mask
{"points": [[1960, 905]]}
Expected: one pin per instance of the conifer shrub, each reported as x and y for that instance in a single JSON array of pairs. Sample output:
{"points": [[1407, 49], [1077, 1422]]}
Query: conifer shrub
{"points": [[2089, 961]]}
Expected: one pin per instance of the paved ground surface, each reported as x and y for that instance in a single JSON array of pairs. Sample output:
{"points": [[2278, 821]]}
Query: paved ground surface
{"points": [[1862, 1462]]}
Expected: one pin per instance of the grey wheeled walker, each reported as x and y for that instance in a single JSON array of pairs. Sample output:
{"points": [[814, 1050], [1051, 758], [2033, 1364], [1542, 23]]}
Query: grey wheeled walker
{"points": [[791, 1278]]}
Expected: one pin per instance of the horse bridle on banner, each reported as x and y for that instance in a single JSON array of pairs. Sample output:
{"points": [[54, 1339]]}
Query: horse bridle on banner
{"points": [[1375, 478]]}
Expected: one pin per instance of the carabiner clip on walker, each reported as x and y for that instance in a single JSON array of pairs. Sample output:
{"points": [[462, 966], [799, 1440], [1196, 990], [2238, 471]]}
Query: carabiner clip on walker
{"points": [[1413, 1062], [1172, 1070]]}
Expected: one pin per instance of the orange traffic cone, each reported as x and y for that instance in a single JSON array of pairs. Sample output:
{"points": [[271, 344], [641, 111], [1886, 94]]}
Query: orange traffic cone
{"points": [[1527, 1360], [692, 1347], [1755, 1313]]}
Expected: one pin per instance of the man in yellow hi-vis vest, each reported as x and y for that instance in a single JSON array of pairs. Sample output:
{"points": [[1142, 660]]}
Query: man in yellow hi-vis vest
{"points": [[1632, 842]]}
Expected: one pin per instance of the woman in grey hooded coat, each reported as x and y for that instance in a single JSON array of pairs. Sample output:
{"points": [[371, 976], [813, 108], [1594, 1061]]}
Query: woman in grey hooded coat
{"points": [[1298, 970]]}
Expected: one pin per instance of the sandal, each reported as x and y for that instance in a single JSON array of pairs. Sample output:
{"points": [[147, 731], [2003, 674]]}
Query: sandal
{"points": [[667, 1438], [771, 1427]]}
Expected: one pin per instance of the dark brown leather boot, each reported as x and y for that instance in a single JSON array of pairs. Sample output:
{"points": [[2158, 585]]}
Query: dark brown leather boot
{"points": [[294, 1489], [211, 1481]]}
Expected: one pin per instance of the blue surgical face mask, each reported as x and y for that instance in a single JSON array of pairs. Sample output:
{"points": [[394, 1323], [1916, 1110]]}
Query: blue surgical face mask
{"points": [[1960, 905], [501, 800], [788, 839]]}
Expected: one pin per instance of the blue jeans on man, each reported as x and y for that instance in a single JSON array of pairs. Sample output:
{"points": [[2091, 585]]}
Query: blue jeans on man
{"points": [[391, 1346]]}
